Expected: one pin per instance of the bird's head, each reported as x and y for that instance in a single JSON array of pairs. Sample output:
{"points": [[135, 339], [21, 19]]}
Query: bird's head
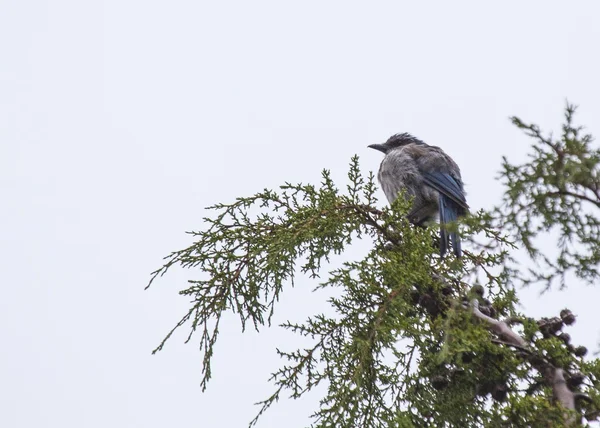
{"points": [[397, 140]]}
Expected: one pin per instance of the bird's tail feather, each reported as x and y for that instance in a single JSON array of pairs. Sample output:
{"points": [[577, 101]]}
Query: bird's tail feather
{"points": [[448, 214]]}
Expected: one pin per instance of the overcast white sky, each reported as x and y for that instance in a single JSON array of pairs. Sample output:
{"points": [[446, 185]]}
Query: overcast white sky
{"points": [[123, 119]]}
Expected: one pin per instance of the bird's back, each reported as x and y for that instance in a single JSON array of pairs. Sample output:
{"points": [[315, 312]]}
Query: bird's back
{"points": [[410, 168], [403, 168], [433, 159]]}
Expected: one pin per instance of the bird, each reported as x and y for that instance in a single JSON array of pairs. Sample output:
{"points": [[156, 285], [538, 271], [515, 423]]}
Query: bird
{"points": [[428, 175]]}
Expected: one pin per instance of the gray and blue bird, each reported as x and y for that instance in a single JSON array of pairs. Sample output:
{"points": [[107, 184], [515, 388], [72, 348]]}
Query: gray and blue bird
{"points": [[428, 175]]}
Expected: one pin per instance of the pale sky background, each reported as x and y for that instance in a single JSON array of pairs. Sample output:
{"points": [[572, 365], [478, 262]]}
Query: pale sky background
{"points": [[123, 119]]}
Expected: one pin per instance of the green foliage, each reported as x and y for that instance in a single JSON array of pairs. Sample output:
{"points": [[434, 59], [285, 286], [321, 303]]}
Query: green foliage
{"points": [[253, 246], [558, 191], [402, 345]]}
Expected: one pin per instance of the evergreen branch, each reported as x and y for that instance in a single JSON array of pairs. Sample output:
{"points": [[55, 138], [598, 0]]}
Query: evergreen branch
{"points": [[395, 322]]}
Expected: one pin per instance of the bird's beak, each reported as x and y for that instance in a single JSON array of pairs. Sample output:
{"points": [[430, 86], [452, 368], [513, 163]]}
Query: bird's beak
{"points": [[379, 147]]}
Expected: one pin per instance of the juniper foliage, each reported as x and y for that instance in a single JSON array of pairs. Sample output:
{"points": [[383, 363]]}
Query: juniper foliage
{"points": [[556, 192], [411, 340]]}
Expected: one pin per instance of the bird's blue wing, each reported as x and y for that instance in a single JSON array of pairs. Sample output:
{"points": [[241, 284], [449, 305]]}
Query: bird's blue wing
{"points": [[448, 186]]}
